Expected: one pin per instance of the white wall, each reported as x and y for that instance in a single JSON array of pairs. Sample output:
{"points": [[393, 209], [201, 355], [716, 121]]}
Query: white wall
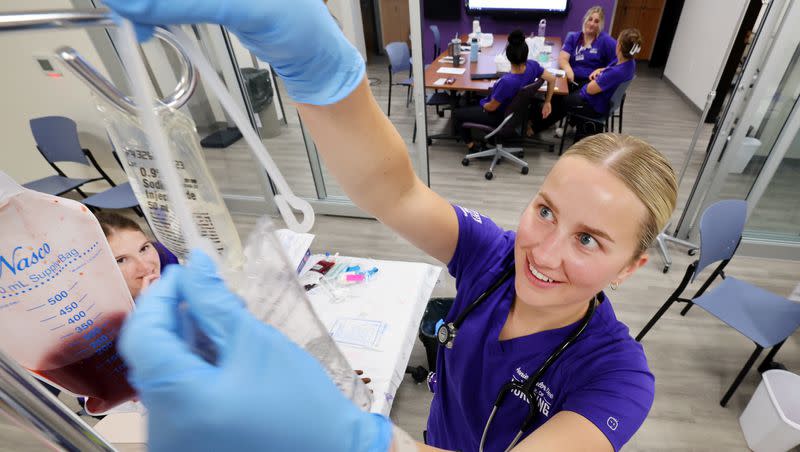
{"points": [[28, 93], [348, 12], [699, 49]]}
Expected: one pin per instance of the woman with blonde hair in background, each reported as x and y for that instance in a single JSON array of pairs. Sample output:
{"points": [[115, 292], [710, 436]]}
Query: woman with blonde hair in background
{"points": [[586, 51]]}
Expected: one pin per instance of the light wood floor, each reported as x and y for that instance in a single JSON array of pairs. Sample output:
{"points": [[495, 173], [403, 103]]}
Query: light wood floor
{"points": [[694, 359]]}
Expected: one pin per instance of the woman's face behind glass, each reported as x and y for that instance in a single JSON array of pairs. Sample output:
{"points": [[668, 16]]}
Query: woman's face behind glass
{"points": [[137, 259]]}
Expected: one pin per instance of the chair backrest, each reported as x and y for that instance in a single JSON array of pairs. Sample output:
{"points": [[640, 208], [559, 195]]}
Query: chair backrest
{"points": [[57, 139], [619, 94], [399, 56], [437, 41], [721, 229], [520, 106]]}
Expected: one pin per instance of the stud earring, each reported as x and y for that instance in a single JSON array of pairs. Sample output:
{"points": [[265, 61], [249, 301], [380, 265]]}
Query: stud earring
{"points": [[614, 285]]}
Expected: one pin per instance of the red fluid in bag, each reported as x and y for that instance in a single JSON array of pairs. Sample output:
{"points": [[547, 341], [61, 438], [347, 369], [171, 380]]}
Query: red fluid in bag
{"points": [[99, 373]]}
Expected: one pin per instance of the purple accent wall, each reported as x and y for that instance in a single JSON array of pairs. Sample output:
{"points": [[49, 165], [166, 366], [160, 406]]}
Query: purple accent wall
{"points": [[556, 25]]}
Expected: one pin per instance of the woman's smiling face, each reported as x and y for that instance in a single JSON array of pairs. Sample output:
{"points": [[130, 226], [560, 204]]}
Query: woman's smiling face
{"points": [[580, 233], [137, 258]]}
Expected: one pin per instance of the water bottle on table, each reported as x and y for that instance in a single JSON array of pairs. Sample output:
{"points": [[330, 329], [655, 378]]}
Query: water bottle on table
{"points": [[542, 27], [455, 51], [473, 50]]}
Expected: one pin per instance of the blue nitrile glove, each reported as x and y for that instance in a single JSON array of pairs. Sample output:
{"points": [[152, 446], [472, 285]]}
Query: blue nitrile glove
{"points": [[299, 38], [264, 392]]}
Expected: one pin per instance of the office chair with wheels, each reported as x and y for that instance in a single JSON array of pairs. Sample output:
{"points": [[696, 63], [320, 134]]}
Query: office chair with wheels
{"points": [[399, 61], [511, 129], [763, 317], [590, 125]]}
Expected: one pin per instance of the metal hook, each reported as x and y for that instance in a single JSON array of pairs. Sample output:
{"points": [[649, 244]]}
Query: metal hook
{"points": [[57, 19]]}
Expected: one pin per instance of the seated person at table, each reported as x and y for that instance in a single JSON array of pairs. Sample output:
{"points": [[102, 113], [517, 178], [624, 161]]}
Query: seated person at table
{"points": [[492, 109], [594, 98], [587, 51], [140, 259]]}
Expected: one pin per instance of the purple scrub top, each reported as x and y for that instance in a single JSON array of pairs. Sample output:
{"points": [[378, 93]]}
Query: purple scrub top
{"points": [[584, 60], [603, 376], [509, 85], [165, 256], [609, 80]]}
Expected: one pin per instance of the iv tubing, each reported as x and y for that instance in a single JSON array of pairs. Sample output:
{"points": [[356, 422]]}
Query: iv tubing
{"points": [[286, 199]]}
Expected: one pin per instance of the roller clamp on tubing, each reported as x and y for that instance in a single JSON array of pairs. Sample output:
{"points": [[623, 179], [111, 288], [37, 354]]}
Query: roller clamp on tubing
{"points": [[191, 58]]}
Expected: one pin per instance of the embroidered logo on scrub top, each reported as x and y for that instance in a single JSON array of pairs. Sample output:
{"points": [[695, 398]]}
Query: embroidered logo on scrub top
{"points": [[612, 423], [543, 394], [471, 213]]}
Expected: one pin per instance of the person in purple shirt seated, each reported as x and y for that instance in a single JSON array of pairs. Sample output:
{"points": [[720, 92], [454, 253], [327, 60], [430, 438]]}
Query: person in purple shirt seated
{"points": [[593, 99], [492, 109], [140, 259], [586, 51]]}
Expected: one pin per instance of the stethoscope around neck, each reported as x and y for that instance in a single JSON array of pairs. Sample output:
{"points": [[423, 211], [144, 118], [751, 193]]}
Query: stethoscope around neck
{"points": [[446, 334]]}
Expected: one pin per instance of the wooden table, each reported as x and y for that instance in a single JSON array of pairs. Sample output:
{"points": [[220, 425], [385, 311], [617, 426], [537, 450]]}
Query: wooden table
{"points": [[485, 64]]}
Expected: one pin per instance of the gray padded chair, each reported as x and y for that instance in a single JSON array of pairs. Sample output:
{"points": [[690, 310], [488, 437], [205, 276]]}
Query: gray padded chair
{"points": [[761, 316], [57, 140], [399, 61]]}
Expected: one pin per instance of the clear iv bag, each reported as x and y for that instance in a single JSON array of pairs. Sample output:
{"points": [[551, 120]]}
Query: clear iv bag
{"points": [[205, 203], [273, 294]]}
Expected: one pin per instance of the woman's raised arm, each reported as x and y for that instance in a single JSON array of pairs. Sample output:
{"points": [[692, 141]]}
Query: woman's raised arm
{"points": [[369, 159]]}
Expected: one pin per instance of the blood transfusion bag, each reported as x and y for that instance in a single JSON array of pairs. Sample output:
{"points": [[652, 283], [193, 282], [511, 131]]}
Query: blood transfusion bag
{"points": [[62, 297]]}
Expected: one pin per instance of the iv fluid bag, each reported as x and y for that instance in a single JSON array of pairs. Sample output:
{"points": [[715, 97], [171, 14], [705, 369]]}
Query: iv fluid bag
{"points": [[62, 296], [205, 202], [273, 294]]}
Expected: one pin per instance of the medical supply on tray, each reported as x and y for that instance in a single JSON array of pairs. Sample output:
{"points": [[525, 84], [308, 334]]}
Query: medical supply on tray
{"points": [[362, 333], [62, 296]]}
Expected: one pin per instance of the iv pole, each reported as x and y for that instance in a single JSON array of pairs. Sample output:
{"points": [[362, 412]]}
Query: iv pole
{"points": [[663, 237]]}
